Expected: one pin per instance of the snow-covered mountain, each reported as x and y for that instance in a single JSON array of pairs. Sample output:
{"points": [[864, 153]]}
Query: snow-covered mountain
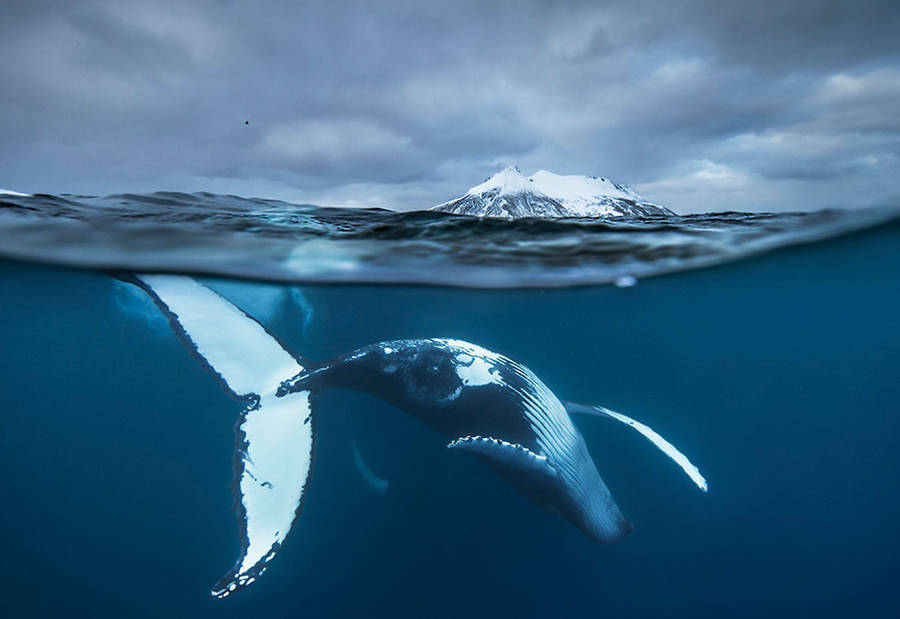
{"points": [[509, 194]]}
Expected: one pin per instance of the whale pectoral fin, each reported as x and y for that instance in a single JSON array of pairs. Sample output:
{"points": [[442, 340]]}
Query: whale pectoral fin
{"points": [[503, 452], [662, 444], [376, 483]]}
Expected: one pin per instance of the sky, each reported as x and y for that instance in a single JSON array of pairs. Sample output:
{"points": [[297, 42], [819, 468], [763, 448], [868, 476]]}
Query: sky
{"points": [[697, 105]]}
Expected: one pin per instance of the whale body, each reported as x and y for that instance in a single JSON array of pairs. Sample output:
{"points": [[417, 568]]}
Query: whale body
{"points": [[484, 403], [488, 404]]}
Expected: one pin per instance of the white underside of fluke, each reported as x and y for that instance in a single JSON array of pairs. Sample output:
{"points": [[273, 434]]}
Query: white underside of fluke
{"points": [[275, 440], [247, 358]]}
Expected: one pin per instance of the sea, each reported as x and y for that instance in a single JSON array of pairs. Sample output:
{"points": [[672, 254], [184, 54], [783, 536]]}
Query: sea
{"points": [[766, 347]]}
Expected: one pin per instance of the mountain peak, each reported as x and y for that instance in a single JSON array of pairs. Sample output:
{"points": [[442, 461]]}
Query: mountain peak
{"points": [[508, 180], [510, 194]]}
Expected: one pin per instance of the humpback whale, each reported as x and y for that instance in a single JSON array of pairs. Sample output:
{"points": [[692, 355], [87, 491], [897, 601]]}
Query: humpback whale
{"points": [[483, 402]]}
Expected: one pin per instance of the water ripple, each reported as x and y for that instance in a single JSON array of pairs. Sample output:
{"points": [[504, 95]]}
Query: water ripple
{"points": [[271, 240]]}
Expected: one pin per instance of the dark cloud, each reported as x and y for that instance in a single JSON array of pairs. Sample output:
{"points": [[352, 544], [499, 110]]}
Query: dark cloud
{"points": [[699, 105]]}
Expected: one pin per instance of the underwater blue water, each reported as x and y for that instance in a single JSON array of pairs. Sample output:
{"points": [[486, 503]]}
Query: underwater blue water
{"points": [[777, 375]]}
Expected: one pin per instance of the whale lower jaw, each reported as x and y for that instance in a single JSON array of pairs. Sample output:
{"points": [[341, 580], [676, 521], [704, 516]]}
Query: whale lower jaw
{"points": [[507, 454]]}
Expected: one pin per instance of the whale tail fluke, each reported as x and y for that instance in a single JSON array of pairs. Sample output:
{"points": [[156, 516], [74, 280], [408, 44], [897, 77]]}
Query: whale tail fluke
{"points": [[274, 436], [662, 444]]}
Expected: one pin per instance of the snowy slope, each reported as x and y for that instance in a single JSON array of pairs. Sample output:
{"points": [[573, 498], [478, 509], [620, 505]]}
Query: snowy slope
{"points": [[509, 194]]}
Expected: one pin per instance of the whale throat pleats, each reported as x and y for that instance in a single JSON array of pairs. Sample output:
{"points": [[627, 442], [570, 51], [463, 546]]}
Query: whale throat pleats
{"points": [[274, 442]]}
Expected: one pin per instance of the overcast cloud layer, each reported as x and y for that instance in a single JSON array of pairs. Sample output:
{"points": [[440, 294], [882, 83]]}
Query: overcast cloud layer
{"points": [[699, 106]]}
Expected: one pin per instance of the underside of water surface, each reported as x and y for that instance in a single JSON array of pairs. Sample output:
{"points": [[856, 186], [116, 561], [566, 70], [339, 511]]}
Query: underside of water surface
{"points": [[777, 374], [269, 240]]}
